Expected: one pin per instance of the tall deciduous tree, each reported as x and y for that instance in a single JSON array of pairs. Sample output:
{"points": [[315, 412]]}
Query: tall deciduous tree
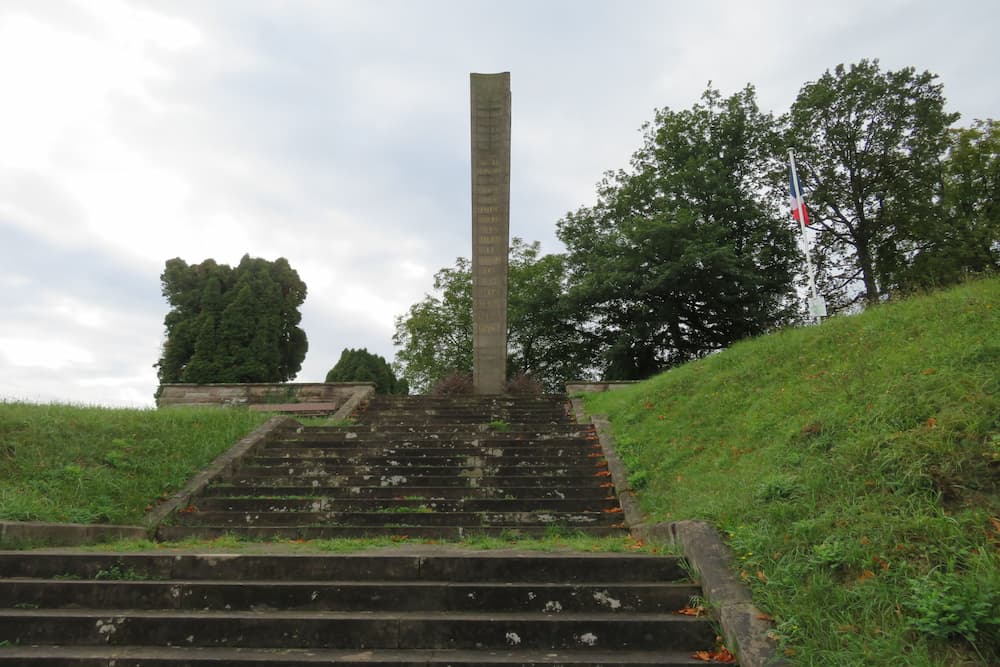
{"points": [[869, 145], [435, 336], [687, 251], [363, 366], [232, 324], [966, 235]]}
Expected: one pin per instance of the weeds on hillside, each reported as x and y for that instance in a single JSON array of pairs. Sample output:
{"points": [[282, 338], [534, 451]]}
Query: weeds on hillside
{"points": [[855, 468], [66, 463]]}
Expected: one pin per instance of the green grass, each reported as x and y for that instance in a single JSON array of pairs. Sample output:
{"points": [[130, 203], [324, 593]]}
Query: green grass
{"points": [[854, 467], [100, 465]]}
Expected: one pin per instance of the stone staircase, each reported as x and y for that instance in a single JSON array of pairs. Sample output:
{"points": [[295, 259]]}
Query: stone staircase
{"points": [[424, 467], [382, 608], [421, 467]]}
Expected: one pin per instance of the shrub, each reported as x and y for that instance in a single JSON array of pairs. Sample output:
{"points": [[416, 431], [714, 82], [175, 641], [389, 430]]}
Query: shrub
{"points": [[524, 384], [453, 384]]}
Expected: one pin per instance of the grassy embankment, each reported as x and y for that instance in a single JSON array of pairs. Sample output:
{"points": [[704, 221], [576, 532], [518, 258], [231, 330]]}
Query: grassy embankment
{"points": [[99, 465], [854, 468]]}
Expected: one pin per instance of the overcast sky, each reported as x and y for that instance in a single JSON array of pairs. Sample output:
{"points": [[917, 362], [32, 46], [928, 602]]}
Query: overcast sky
{"points": [[336, 134]]}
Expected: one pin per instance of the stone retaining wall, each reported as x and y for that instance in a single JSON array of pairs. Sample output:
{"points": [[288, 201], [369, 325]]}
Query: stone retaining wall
{"points": [[260, 393]]}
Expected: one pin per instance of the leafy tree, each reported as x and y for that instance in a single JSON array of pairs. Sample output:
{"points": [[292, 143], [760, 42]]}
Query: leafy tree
{"points": [[363, 366], [435, 336], [966, 235], [687, 251], [232, 325], [869, 147]]}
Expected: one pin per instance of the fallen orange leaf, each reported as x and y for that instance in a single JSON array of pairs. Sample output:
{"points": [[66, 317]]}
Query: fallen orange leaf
{"points": [[602, 473], [691, 611], [607, 485], [866, 575], [762, 576], [722, 655], [764, 617], [612, 510]]}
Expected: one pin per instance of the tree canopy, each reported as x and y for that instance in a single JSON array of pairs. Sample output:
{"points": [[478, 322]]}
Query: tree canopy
{"points": [[230, 324], [435, 336], [362, 366], [687, 251], [869, 146]]}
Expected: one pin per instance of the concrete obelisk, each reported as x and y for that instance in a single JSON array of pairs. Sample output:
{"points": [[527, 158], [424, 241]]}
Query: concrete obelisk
{"points": [[490, 229]]}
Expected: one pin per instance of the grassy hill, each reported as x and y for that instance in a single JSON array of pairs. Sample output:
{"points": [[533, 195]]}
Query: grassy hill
{"points": [[99, 465], [855, 468]]}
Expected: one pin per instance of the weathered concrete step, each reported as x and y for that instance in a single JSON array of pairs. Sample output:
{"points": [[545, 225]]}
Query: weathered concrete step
{"points": [[264, 595], [483, 421], [402, 504], [448, 409], [306, 629], [446, 429], [514, 431], [427, 455], [177, 656], [401, 531], [458, 566], [416, 441], [429, 492], [429, 399], [422, 518], [410, 481], [319, 467]]}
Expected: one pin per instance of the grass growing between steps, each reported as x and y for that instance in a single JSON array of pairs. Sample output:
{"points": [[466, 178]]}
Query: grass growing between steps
{"points": [[557, 541], [854, 467], [64, 463]]}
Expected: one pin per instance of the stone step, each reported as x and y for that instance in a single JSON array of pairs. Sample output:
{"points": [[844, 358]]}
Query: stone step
{"points": [[374, 441], [484, 421], [422, 518], [385, 565], [514, 431], [174, 656], [402, 504], [401, 531], [566, 467], [331, 595], [349, 630], [434, 438], [432, 455], [428, 492], [404, 481]]}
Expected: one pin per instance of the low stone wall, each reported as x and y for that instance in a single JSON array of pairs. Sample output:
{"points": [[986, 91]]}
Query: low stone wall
{"points": [[260, 393]]}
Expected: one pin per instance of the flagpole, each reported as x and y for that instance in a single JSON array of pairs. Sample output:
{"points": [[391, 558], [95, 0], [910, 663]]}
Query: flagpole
{"points": [[802, 227]]}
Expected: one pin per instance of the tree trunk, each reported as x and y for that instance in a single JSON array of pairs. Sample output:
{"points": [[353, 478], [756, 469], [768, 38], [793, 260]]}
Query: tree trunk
{"points": [[867, 272]]}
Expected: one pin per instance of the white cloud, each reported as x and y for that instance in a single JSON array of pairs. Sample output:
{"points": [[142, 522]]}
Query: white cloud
{"points": [[47, 352]]}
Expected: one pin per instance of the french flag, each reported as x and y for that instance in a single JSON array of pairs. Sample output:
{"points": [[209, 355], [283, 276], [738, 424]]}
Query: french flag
{"points": [[798, 202]]}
